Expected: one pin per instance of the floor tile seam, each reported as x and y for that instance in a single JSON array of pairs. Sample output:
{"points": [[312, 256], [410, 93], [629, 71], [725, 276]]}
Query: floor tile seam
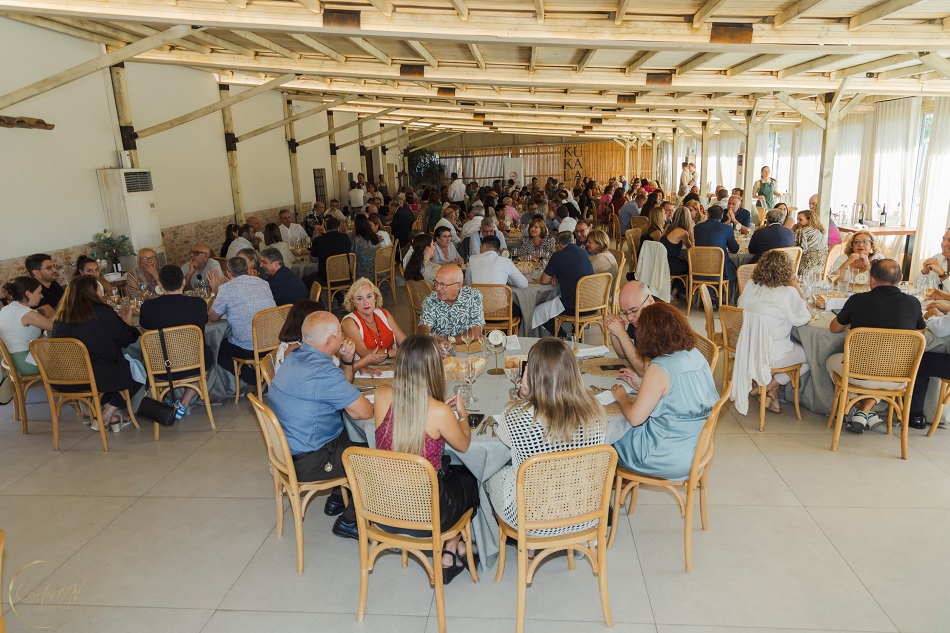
{"points": [[643, 576], [250, 559], [33, 470], [178, 465]]}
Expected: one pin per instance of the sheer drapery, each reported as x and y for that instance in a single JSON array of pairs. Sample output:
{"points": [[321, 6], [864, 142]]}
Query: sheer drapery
{"points": [[781, 161], [934, 202], [806, 164], [730, 142], [895, 153], [664, 165], [709, 176], [850, 162]]}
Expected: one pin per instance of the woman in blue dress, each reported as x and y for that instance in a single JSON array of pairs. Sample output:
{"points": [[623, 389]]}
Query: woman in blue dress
{"points": [[673, 400]]}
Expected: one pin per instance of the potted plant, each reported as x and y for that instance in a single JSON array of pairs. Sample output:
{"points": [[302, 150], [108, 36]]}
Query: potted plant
{"points": [[106, 245]]}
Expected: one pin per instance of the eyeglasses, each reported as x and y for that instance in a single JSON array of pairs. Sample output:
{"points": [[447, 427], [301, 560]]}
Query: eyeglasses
{"points": [[150, 258], [196, 253], [857, 242], [441, 286], [633, 311]]}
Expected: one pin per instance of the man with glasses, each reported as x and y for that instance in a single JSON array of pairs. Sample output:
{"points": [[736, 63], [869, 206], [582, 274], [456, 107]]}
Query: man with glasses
{"points": [[634, 296], [40, 266], [197, 269], [528, 215], [452, 309]]}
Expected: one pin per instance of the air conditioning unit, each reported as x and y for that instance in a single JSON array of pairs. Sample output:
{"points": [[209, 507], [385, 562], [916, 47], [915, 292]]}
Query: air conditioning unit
{"points": [[129, 202]]}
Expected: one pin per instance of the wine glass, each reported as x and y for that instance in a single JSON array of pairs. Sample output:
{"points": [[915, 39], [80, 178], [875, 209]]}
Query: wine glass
{"points": [[467, 337], [471, 375], [833, 276], [514, 375], [445, 348]]}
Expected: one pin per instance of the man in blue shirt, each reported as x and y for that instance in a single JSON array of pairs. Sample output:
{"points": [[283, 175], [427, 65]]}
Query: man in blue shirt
{"points": [[565, 268], [736, 216], [713, 232], [308, 395], [628, 210]]}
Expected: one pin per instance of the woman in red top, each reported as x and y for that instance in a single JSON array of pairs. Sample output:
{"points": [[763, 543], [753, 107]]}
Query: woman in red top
{"points": [[372, 329]]}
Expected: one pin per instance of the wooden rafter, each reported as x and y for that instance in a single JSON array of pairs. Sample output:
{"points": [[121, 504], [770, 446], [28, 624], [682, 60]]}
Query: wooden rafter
{"points": [[382, 130], [145, 31], [851, 105], [725, 118], [423, 53], [539, 10], [696, 62], [710, 7], [65, 29], [937, 63], [795, 11], [639, 62], [461, 8], [477, 54], [622, 11], [320, 47], [269, 45], [585, 60], [533, 62], [295, 117], [223, 44], [874, 66], [365, 46], [801, 108], [313, 5], [749, 64], [814, 64], [347, 126], [383, 6], [879, 12]]}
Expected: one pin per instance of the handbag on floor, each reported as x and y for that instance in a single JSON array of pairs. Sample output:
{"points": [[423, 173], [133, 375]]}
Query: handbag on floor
{"points": [[155, 410]]}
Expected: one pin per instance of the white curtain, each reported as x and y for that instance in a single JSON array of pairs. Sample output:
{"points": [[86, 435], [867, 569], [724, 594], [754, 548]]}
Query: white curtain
{"points": [[664, 164], [934, 202], [709, 176], [782, 160], [730, 142], [806, 164], [850, 162], [895, 154]]}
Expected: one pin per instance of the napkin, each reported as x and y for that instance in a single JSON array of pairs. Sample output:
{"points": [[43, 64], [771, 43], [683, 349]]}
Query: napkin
{"points": [[607, 397], [513, 344], [385, 374], [587, 352], [835, 303]]}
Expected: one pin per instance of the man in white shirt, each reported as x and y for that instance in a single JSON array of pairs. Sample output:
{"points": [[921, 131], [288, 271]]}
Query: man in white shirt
{"points": [[567, 223], [457, 191], [355, 197], [488, 267], [450, 215], [936, 266], [474, 223], [289, 230], [242, 241]]}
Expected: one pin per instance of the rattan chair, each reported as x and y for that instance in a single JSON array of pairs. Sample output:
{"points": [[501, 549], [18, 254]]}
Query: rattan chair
{"points": [[618, 279], [794, 253], [556, 490], [341, 273], [285, 476], [591, 305], [268, 368], [65, 362], [418, 224], [3, 538], [632, 238], [883, 355], [744, 275], [223, 262], [942, 401], [641, 222], [401, 491], [264, 331], [627, 483], [711, 333], [614, 227], [316, 289], [497, 302], [730, 319], [706, 268], [20, 384], [417, 291], [833, 254], [186, 351], [384, 269], [709, 350]]}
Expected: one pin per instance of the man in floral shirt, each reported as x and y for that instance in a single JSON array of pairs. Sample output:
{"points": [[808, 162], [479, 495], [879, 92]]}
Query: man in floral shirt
{"points": [[453, 308]]}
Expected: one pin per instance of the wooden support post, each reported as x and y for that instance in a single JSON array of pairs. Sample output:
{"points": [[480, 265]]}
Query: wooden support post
{"points": [[829, 143], [230, 144], [294, 166], [626, 160], [639, 161], [705, 173], [120, 93], [748, 170], [674, 160], [653, 142], [334, 163], [359, 129]]}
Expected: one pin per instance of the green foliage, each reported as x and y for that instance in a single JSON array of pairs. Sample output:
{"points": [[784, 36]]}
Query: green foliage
{"points": [[108, 246], [425, 168]]}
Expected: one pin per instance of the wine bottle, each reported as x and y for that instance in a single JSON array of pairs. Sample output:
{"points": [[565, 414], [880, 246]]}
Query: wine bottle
{"points": [[884, 215], [861, 214]]}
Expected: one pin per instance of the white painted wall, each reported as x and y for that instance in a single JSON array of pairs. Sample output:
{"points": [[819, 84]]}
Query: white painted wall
{"points": [[263, 161], [49, 195]]}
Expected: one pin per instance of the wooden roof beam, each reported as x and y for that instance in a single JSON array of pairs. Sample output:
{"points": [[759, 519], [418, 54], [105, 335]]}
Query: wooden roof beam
{"points": [[104, 30], [696, 62], [725, 118], [879, 12], [710, 7], [423, 52], [800, 107], [145, 31], [622, 11], [906, 71], [223, 44], [240, 4], [295, 117], [461, 8], [382, 130], [851, 105], [689, 130], [874, 66], [794, 12], [539, 10], [65, 29], [639, 62], [269, 45], [533, 62], [313, 5], [936, 62], [347, 126], [320, 47], [383, 6], [749, 64], [814, 64], [365, 46], [477, 54], [585, 60]]}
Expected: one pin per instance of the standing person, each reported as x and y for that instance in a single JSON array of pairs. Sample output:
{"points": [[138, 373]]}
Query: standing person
{"points": [[200, 265], [457, 192], [810, 236], [143, 278], [20, 323], [41, 268], [401, 221], [355, 197], [433, 211], [765, 190]]}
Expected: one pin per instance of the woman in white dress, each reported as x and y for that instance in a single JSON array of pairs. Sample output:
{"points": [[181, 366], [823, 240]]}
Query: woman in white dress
{"points": [[20, 323], [774, 293]]}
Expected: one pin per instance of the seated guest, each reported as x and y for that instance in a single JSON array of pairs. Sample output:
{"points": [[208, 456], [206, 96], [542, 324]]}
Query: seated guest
{"points": [[257, 230], [531, 210], [20, 323], [487, 227], [860, 250], [810, 236], [41, 268], [313, 222], [88, 266], [565, 221], [715, 233], [242, 241], [290, 331], [230, 234], [696, 212], [401, 220], [554, 412], [932, 365], [290, 231], [488, 267], [581, 232], [308, 395], [82, 315], [474, 222], [143, 278], [445, 251], [629, 210], [774, 293], [773, 235], [450, 216], [673, 399], [622, 327], [201, 264], [511, 213], [365, 245], [239, 299], [273, 239], [372, 329], [411, 417], [420, 263], [676, 237], [253, 260], [598, 245], [657, 219], [452, 309], [736, 216], [284, 284], [885, 306], [536, 242], [937, 265], [172, 309], [565, 268], [376, 223], [334, 242]]}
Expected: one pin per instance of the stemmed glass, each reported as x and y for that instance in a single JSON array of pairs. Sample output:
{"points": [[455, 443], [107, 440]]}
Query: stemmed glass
{"points": [[467, 337], [471, 375], [514, 375], [833, 276]]}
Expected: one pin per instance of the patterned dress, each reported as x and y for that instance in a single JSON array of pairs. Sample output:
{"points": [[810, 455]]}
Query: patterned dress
{"points": [[365, 257], [527, 437], [814, 246]]}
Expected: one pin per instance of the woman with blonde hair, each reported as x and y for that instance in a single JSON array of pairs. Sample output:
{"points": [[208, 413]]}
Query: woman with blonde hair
{"points": [[373, 330], [411, 417], [143, 278], [598, 245], [677, 236], [657, 224], [859, 251], [555, 412], [811, 236]]}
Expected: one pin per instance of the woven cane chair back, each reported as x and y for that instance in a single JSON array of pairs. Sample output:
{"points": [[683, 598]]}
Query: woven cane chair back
{"points": [[267, 367], [185, 345], [496, 298], [706, 261], [708, 312], [63, 361], [731, 319], [794, 253], [278, 451], [709, 350], [744, 273], [392, 488], [640, 222], [593, 292], [882, 354], [266, 328], [341, 269], [316, 289]]}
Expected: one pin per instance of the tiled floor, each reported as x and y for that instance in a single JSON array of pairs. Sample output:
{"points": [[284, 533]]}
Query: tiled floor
{"points": [[180, 536]]}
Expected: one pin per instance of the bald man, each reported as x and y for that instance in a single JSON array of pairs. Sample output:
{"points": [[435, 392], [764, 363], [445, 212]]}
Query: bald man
{"points": [[308, 395], [197, 269], [634, 296], [452, 309], [257, 230]]}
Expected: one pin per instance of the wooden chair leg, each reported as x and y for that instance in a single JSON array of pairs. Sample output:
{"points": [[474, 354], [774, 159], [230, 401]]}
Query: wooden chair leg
{"points": [[762, 399], [702, 500], [834, 407], [237, 380], [522, 586], [933, 425], [602, 584], [469, 555], [280, 506], [97, 412], [501, 554], [439, 589], [298, 531], [128, 402], [55, 415], [206, 396], [570, 559], [364, 577], [618, 485], [905, 430], [689, 295], [688, 528], [839, 419], [796, 383], [632, 504]]}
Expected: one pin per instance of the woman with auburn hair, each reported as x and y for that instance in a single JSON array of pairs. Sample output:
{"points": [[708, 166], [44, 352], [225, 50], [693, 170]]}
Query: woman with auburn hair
{"points": [[555, 412], [774, 293], [536, 241], [82, 315], [411, 417], [673, 400]]}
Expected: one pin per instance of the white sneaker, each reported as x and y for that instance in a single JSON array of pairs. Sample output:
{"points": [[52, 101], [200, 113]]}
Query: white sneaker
{"points": [[118, 426], [873, 421]]}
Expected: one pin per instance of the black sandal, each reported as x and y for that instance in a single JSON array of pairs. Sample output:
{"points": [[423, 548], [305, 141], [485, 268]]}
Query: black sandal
{"points": [[449, 573]]}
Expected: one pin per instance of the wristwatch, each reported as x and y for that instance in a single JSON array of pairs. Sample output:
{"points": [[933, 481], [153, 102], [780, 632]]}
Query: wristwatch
{"points": [[387, 352], [344, 362]]}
